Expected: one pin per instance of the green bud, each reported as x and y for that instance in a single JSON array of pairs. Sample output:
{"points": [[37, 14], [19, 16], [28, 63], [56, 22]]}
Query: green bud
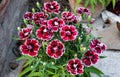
{"points": [[38, 4], [33, 10], [44, 63], [18, 28]]}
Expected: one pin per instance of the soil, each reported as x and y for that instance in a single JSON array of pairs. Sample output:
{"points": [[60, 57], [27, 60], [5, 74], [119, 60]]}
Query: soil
{"points": [[116, 9]]}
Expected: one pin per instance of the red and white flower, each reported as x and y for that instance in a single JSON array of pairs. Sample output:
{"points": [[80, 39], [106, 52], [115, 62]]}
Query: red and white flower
{"points": [[68, 33], [90, 58], [44, 33], [25, 33], [68, 16], [97, 46], [55, 49], [82, 10], [55, 23], [51, 7], [28, 16], [30, 47], [39, 17], [74, 66]]}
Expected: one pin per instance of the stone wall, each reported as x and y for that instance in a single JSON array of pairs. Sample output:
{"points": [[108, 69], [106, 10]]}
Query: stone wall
{"points": [[8, 25]]}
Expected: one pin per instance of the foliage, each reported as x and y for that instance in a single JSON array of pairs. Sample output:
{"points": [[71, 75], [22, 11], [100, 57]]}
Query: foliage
{"points": [[93, 3], [41, 64]]}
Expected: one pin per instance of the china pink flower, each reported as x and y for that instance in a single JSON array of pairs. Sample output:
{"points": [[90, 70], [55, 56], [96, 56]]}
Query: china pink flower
{"points": [[28, 16], [39, 17], [82, 10], [25, 33], [68, 16], [30, 47], [74, 66], [97, 46], [90, 58], [55, 49], [68, 33], [44, 33], [51, 7], [55, 23]]}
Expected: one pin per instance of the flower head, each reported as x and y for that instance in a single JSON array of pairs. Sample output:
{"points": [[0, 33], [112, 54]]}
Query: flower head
{"points": [[74, 66], [82, 10], [30, 47], [68, 16], [28, 16], [51, 7], [55, 23], [39, 17], [97, 46], [44, 33], [90, 58], [68, 33], [25, 33], [55, 49]]}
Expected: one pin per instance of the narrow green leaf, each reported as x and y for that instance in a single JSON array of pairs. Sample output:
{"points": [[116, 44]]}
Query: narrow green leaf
{"points": [[56, 75], [102, 2], [92, 5], [77, 2], [94, 70], [113, 3], [86, 74], [51, 66], [102, 57], [86, 3], [27, 69], [20, 58], [35, 74], [50, 72]]}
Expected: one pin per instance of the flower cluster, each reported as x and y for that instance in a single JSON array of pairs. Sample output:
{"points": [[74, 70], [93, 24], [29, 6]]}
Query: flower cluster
{"points": [[92, 55], [57, 34]]}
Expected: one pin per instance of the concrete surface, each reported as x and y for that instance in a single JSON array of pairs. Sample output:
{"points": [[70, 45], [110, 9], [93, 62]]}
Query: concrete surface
{"points": [[110, 65]]}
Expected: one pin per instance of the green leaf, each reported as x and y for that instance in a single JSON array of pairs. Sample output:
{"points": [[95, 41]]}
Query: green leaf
{"points": [[102, 2], [77, 2], [20, 58], [86, 74], [94, 70], [56, 75], [50, 72], [86, 3], [52, 66], [27, 69], [35, 74], [113, 3], [92, 5], [16, 38], [28, 62], [101, 57]]}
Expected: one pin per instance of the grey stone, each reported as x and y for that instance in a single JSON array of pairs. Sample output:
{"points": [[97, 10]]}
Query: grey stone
{"points": [[8, 29]]}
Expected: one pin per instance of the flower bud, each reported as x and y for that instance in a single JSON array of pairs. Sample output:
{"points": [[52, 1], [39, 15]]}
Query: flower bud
{"points": [[38, 4], [44, 63], [18, 28], [52, 63], [33, 10]]}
